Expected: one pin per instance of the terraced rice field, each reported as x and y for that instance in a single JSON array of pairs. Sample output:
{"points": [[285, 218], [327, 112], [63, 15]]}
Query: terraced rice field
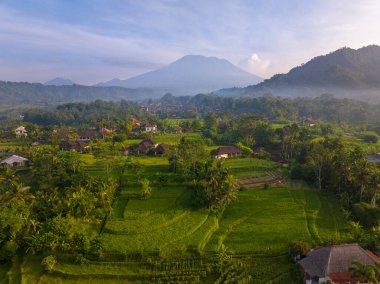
{"points": [[256, 228]]}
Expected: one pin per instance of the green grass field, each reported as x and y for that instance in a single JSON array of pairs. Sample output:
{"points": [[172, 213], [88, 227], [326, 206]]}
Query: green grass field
{"points": [[256, 229]]}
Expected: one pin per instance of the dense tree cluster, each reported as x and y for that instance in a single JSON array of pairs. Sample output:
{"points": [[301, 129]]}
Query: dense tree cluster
{"points": [[213, 185], [325, 107], [46, 214]]}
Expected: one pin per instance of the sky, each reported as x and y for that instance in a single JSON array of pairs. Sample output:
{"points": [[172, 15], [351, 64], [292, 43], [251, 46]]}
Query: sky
{"points": [[91, 41]]}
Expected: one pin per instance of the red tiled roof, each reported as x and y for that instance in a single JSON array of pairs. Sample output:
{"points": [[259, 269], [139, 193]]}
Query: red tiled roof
{"points": [[104, 130]]}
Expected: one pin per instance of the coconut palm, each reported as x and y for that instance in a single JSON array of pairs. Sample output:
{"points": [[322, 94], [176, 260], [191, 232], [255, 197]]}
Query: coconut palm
{"points": [[365, 272]]}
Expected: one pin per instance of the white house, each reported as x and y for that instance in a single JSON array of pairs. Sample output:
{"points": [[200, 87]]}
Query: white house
{"points": [[14, 161], [21, 132], [150, 127]]}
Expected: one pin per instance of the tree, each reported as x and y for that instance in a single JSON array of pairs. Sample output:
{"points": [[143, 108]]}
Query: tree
{"points": [[368, 273], [188, 157], [318, 159], [217, 188], [289, 136], [361, 169], [146, 189], [210, 126]]}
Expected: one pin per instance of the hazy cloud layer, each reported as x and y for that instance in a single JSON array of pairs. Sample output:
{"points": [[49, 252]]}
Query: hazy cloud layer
{"points": [[91, 41]]}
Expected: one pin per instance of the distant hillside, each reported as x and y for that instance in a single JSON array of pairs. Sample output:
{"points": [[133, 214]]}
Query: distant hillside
{"points": [[21, 93], [345, 72], [190, 75], [59, 82]]}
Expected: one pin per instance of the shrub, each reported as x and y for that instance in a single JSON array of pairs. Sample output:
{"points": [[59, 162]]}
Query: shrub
{"points": [[367, 215], [81, 260], [49, 262], [298, 248], [146, 189], [264, 154], [369, 137]]}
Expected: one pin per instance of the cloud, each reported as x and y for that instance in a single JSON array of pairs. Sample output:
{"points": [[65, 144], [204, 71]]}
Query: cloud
{"points": [[126, 38], [254, 58], [256, 65]]}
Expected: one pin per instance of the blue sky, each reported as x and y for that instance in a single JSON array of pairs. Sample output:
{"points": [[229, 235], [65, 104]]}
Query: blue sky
{"points": [[90, 41]]}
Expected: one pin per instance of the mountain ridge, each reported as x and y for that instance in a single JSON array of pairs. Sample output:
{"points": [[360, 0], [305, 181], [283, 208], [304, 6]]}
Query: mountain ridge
{"points": [[190, 75], [341, 72]]}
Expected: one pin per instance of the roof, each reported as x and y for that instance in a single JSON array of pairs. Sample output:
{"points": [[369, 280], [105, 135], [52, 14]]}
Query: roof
{"points": [[20, 128], [149, 125], [163, 147], [226, 150], [147, 143], [335, 260], [135, 121], [104, 130], [88, 133], [13, 159], [74, 145], [63, 133]]}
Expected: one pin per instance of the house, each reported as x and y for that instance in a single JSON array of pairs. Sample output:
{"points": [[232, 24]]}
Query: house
{"points": [[309, 122], [145, 146], [73, 145], [149, 128], [21, 132], [62, 134], [88, 135], [331, 264], [14, 162], [226, 152], [161, 149], [124, 151]]}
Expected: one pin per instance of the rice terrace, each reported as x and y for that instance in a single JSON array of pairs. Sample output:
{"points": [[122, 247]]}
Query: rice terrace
{"points": [[164, 239]]}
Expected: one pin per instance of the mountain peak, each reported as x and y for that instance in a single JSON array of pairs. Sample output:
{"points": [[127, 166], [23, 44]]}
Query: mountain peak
{"points": [[58, 81], [189, 75]]}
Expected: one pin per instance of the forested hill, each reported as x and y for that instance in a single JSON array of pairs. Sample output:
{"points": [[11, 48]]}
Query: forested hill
{"points": [[22, 93], [325, 107], [345, 72]]}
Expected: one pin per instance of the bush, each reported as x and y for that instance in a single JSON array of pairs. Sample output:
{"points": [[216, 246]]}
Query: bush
{"points": [[369, 137], [367, 215], [264, 154], [8, 250], [81, 260], [49, 262], [298, 248]]}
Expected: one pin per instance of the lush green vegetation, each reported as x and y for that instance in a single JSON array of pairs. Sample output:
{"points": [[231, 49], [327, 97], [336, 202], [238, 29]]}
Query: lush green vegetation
{"points": [[182, 217]]}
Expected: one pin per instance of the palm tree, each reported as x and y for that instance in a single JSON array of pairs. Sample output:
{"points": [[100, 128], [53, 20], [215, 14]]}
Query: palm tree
{"points": [[365, 272]]}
